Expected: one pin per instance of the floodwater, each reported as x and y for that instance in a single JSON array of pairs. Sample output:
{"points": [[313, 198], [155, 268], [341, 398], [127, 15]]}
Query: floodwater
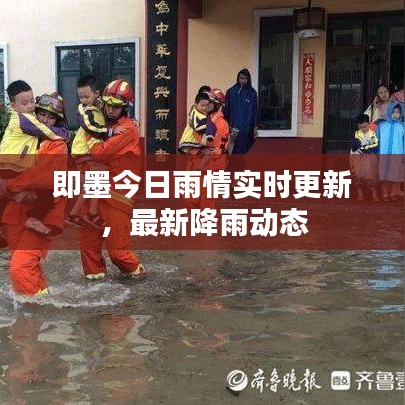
{"points": [[174, 337]]}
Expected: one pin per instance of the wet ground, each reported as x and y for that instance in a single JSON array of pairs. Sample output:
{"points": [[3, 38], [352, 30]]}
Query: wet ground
{"points": [[174, 337]]}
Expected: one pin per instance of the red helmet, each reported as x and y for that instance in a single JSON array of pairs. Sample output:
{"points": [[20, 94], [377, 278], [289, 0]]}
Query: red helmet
{"points": [[52, 103], [118, 92], [217, 96]]}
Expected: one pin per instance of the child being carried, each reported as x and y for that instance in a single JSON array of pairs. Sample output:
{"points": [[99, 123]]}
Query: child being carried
{"points": [[92, 129], [363, 158]]}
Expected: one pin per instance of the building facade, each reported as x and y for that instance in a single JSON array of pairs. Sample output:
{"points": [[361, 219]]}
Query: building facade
{"points": [[362, 47], [310, 91], [51, 43]]}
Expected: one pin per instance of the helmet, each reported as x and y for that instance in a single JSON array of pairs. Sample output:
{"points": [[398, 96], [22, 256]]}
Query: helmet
{"points": [[52, 103], [119, 93], [217, 96]]}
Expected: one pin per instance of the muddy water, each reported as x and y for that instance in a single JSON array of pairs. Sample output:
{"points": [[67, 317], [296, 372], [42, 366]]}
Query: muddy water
{"points": [[174, 337]]}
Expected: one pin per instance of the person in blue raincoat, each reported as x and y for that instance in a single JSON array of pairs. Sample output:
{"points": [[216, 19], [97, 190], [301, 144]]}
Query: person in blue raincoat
{"points": [[390, 133], [241, 112]]}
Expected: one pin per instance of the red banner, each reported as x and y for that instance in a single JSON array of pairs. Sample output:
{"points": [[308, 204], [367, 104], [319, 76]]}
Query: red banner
{"points": [[308, 88], [256, 202]]}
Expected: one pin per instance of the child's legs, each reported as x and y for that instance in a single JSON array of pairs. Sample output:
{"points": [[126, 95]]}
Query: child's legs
{"points": [[372, 188], [93, 209], [81, 201], [77, 208], [357, 182], [369, 183]]}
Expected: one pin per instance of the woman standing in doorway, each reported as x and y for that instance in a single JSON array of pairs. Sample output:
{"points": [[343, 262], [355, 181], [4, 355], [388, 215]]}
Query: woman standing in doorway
{"points": [[378, 109]]}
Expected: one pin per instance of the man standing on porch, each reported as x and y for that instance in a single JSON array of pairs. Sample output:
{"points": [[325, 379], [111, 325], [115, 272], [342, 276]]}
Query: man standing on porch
{"points": [[241, 112]]}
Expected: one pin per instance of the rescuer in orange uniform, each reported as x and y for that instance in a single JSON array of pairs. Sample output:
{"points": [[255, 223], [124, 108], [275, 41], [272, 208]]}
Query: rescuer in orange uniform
{"points": [[213, 156], [29, 247], [118, 153]]}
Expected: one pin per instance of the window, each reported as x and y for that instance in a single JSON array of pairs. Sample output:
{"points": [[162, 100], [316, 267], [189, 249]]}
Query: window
{"points": [[277, 72], [385, 29], [346, 32], [106, 61]]}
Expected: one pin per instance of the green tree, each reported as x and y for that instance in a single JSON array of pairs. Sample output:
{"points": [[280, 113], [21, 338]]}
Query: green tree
{"points": [[4, 118]]}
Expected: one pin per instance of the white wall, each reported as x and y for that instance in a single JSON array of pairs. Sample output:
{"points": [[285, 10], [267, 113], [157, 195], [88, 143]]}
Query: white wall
{"points": [[31, 27]]}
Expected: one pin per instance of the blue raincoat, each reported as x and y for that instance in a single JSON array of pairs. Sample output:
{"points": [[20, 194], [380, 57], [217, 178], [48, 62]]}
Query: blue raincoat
{"points": [[241, 112], [390, 133]]}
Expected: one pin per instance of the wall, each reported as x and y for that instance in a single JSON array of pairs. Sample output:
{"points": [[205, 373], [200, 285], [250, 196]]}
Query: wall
{"points": [[30, 28], [222, 42]]}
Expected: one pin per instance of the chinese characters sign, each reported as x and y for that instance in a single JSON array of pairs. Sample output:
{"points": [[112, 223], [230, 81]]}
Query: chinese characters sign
{"points": [[308, 88], [189, 186], [162, 78], [309, 381]]}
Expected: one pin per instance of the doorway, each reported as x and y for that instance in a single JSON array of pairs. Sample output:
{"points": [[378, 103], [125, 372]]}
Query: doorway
{"points": [[363, 51]]}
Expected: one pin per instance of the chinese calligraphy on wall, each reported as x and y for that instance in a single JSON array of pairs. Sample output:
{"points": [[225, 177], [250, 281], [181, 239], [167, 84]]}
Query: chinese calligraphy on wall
{"points": [[308, 88], [162, 78]]}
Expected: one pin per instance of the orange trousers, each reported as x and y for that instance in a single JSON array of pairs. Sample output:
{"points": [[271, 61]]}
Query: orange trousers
{"points": [[26, 272], [118, 242], [193, 163]]}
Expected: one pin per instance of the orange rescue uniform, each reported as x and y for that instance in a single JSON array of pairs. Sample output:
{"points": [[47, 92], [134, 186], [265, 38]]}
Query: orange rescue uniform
{"points": [[218, 160], [28, 248], [120, 152]]}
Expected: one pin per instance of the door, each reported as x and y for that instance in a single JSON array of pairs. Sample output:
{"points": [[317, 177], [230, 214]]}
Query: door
{"points": [[364, 50], [344, 96], [397, 67], [377, 69]]}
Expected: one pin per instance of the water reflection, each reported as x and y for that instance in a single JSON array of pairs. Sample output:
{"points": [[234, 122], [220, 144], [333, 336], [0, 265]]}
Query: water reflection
{"points": [[391, 308], [196, 317], [382, 285], [54, 360], [32, 368]]}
